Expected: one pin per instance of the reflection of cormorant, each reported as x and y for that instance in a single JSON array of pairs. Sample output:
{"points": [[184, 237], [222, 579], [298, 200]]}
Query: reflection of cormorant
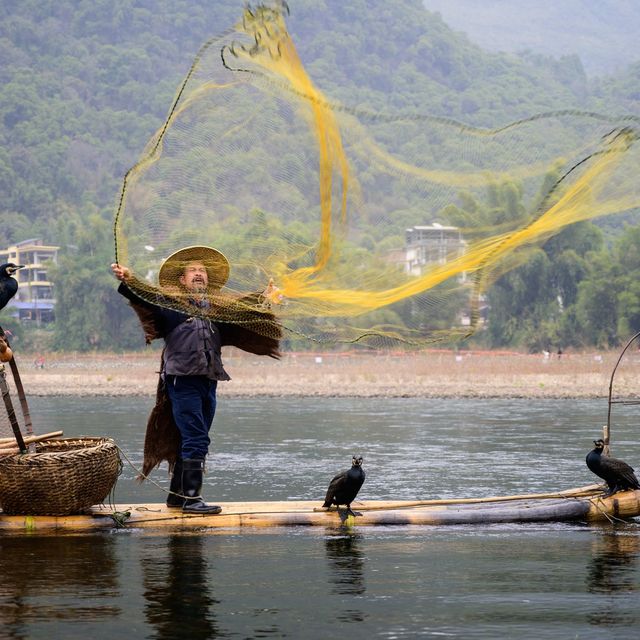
{"points": [[344, 488], [8, 285], [346, 562], [179, 604], [612, 570], [617, 474], [346, 566], [612, 567]]}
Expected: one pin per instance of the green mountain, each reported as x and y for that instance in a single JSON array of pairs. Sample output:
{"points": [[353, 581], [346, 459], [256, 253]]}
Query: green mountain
{"points": [[86, 83]]}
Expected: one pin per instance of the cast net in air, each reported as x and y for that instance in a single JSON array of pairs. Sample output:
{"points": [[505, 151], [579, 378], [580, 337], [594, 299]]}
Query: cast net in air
{"points": [[373, 227]]}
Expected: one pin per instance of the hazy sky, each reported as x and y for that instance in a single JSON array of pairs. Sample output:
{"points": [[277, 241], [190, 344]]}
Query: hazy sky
{"points": [[604, 33]]}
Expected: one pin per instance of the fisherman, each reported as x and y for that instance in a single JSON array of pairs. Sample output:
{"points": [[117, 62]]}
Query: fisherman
{"points": [[191, 365]]}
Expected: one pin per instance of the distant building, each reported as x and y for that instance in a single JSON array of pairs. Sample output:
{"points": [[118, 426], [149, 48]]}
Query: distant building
{"points": [[35, 299], [431, 244], [434, 244]]}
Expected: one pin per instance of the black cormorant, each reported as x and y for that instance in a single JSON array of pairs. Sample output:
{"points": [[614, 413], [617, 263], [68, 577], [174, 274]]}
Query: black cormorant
{"points": [[8, 285], [617, 474], [344, 488]]}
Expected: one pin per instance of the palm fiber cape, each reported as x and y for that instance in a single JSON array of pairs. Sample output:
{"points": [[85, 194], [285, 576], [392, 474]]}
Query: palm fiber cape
{"points": [[260, 335]]}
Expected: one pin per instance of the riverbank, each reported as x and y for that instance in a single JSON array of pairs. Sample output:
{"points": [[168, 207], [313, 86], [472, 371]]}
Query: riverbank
{"points": [[436, 373]]}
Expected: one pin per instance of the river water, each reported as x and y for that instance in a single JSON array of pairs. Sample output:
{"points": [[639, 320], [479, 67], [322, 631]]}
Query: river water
{"points": [[490, 581]]}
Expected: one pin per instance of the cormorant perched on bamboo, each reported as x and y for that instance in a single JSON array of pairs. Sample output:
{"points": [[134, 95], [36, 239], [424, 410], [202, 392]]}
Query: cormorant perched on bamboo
{"points": [[617, 474], [8, 285], [344, 488]]}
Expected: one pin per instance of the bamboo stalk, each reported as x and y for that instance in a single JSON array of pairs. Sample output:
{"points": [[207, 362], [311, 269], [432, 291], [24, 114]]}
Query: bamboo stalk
{"points": [[605, 436], [571, 493], [155, 517], [30, 439]]}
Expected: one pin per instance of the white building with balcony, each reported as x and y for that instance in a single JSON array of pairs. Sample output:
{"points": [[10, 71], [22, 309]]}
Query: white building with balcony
{"points": [[431, 244], [35, 300]]}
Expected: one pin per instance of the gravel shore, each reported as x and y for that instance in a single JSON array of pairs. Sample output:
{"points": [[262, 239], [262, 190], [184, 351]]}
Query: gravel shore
{"points": [[444, 374]]}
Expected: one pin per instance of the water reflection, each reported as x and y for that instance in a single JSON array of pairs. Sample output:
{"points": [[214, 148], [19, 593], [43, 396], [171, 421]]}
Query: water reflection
{"points": [[346, 563], [179, 603], [58, 578], [614, 559], [540, 581], [612, 571]]}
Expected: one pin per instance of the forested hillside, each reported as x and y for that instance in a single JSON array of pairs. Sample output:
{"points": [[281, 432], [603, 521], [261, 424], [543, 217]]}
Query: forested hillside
{"points": [[85, 84]]}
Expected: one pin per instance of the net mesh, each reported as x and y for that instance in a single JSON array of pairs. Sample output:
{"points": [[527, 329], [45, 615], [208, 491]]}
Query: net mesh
{"points": [[372, 227]]}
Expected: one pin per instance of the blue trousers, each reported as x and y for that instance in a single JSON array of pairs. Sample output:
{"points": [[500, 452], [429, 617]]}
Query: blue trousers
{"points": [[193, 404]]}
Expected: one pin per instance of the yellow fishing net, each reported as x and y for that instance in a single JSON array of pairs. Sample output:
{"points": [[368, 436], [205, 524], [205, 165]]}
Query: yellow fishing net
{"points": [[379, 227]]}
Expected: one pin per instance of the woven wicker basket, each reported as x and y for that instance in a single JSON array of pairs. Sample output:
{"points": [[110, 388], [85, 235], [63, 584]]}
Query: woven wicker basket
{"points": [[63, 477]]}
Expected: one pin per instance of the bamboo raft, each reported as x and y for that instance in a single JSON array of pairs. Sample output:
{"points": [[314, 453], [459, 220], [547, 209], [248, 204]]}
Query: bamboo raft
{"points": [[584, 504]]}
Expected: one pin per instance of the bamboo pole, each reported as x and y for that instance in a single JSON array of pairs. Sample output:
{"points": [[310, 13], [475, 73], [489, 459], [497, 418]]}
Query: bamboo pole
{"points": [[607, 428], [29, 439], [275, 514], [606, 433], [570, 493], [8, 445], [24, 405], [6, 355], [11, 414]]}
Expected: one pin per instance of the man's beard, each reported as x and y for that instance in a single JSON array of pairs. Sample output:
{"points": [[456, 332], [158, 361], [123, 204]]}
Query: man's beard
{"points": [[199, 287]]}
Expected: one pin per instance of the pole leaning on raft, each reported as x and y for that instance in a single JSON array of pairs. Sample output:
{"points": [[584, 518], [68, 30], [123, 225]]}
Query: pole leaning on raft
{"points": [[606, 429], [6, 354], [6, 397]]}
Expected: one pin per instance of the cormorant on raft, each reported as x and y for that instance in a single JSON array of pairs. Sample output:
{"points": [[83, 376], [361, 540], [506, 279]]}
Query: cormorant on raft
{"points": [[344, 488], [8, 285], [617, 474]]}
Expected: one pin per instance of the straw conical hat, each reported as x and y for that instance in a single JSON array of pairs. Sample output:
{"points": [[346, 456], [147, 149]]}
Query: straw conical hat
{"points": [[216, 264]]}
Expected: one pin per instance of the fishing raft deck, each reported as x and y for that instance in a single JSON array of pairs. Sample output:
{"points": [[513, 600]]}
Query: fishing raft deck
{"points": [[584, 504]]}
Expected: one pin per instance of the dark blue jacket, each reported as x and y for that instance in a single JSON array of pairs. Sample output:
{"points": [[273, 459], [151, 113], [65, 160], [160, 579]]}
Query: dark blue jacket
{"points": [[192, 343]]}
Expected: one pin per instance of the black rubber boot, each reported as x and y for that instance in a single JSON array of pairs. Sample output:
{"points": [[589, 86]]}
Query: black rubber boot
{"points": [[176, 486], [192, 473]]}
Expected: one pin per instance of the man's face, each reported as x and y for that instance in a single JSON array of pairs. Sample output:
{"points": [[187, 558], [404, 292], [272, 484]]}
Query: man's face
{"points": [[195, 277]]}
